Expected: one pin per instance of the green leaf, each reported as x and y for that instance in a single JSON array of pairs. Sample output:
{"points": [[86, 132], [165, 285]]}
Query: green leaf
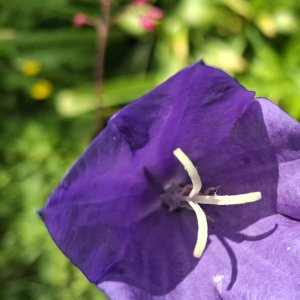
{"points": [[117, 91]]}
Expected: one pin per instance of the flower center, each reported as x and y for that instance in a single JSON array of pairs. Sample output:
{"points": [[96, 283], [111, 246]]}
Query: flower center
{"points": [[190, 196]]}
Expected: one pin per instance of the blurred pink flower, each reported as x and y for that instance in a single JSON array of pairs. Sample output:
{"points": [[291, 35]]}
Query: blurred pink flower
{"points": [[80, 20], [155, 13], [150, 19], [140, 2], [147, 23]]}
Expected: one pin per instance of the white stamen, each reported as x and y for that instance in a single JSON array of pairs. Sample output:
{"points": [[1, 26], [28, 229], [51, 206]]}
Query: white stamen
{"points": [[227, 200], [191, 170], [202, 234]]}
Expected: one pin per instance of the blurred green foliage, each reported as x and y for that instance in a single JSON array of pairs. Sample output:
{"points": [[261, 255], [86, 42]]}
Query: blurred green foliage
{"points": [[48, 105]]}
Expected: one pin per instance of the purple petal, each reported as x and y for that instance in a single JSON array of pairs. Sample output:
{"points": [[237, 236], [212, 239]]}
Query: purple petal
{"points": [[194, 110], [245, 162], [284, 135], [108, 242], [247, 268]]}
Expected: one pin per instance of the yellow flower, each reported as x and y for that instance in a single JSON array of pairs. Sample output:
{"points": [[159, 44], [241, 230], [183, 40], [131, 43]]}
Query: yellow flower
{"points": [[267, 25], [30, 67], [41, 90]]}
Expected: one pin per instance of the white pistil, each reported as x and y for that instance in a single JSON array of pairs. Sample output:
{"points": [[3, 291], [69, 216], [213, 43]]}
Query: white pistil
{"points": [[191, 170], [202, 229], [227, 200], [196, 199]]}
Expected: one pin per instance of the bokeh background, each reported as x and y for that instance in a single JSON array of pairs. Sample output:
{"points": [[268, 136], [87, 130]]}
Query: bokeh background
{"points": [[49, 109]]}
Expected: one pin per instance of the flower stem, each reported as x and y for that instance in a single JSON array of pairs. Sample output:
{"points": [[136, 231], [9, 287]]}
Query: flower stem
{"points": [[102, 27]]}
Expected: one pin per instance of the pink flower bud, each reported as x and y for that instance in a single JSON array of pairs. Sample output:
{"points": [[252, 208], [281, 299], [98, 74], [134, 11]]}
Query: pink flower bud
{"points": [[147, 23], [80, 20], [155, 13]]}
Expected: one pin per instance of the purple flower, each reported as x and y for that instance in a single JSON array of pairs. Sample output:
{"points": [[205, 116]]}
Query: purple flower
{"points": [[121, 213]]}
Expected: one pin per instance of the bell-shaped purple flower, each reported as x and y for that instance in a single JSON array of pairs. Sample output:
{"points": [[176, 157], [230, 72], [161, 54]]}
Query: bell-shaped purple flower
{"points": [[119, 214]]}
